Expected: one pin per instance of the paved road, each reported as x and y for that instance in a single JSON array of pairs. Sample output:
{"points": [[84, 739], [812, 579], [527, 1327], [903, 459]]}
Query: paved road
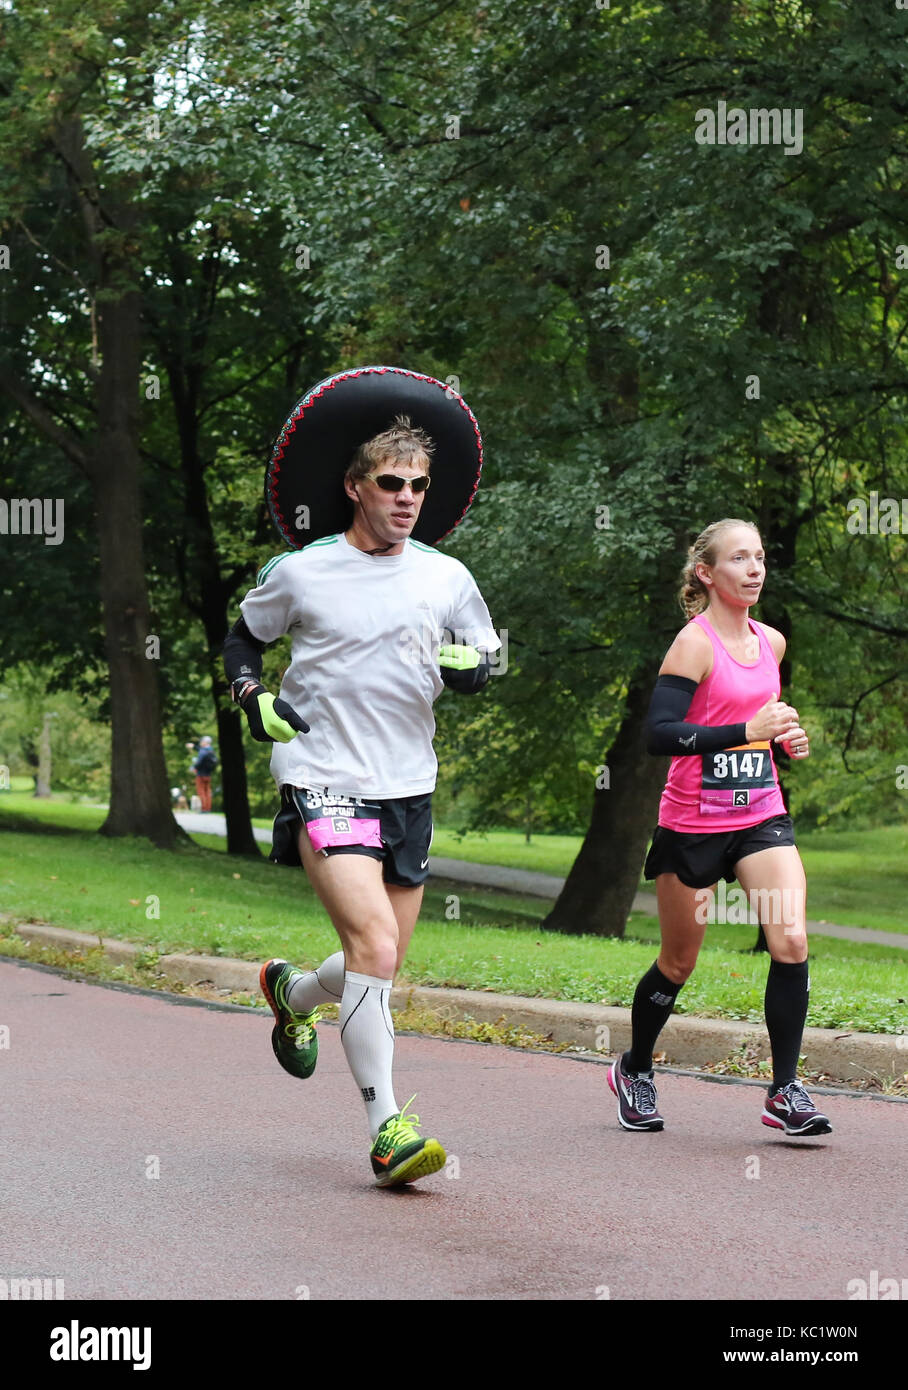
{"points": [[265, 1190], [539, 885]]}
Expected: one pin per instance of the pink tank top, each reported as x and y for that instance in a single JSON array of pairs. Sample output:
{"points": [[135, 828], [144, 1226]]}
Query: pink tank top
{"points": [[739, 786]]}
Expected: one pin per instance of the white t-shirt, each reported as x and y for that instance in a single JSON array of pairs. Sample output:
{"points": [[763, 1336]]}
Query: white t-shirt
{"points": [[364, 671]]}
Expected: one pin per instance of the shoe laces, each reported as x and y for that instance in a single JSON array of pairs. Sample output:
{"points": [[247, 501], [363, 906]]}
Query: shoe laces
{"points": [[401, 1128], [644, 1096], [796, 1096], [300, 1029]]}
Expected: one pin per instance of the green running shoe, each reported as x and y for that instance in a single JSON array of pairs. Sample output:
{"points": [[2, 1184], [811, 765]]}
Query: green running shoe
{"points": [[293, 1036], [399, 1155]]}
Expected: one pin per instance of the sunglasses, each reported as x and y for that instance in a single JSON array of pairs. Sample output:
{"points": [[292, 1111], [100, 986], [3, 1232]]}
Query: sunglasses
{"points": [[389, 482]]}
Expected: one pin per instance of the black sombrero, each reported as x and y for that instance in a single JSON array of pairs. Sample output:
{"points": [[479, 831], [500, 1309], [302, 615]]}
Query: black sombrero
{"points": [[304, 481]]}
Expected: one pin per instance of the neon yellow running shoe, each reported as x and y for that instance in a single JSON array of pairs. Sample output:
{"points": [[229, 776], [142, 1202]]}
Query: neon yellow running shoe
{"points": [[399, 1155], [293, 1036]]}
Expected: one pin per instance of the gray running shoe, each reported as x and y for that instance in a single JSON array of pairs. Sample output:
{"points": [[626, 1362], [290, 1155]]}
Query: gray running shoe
{"points": [[792, 1111], [636, 1098]]}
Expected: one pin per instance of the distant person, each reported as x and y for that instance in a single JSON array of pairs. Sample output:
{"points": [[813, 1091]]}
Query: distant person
{"points": [[203, 765]]}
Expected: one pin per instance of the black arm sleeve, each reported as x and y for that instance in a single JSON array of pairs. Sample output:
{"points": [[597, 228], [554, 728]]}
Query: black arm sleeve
{"points": [[242, 653], [467, 682], [667, 732]]}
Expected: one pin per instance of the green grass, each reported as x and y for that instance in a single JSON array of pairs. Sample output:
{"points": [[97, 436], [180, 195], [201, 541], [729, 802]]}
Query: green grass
{"points": [[856, 878], [213, 904], [546, 854]]}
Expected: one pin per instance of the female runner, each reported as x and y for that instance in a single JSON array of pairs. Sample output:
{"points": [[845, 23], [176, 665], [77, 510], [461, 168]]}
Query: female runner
{"points": [[716, 710]]}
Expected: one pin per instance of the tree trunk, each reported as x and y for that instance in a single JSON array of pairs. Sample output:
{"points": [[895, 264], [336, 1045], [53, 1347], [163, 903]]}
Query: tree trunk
{"points": [[600, 888], [139, 791], [240, 833], [780, 313], [779, 520], [207, 582], [42, 777]]}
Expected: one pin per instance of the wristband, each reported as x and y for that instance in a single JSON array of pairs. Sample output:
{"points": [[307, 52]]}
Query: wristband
{"points": [[241, 688]]}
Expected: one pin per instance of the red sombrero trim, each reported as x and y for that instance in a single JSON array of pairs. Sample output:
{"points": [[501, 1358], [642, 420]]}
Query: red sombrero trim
{"points": [[277, 454]]}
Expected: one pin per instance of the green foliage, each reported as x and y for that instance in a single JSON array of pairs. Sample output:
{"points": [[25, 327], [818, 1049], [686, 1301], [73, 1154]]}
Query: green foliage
{"points": [[229, 138], [80, 741]]}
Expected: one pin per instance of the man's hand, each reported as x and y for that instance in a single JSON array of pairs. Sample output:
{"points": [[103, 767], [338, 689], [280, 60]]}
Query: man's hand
{"points": [[270, 720], [463, 668], [458, 658]]}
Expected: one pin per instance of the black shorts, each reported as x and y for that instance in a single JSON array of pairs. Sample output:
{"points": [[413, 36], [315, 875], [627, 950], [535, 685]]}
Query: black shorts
{"points": [[700, 859], [397, 832]]}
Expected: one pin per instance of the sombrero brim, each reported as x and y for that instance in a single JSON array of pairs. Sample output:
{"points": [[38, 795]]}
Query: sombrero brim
{"points": [[304, 483]]}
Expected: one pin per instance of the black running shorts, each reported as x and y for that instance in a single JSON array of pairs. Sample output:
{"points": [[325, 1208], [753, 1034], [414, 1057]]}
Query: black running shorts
{"points": [[700, 859], [396, 832]]}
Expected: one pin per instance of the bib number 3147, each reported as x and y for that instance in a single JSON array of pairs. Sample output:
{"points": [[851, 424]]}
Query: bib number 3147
{"points": [[736, 779]]}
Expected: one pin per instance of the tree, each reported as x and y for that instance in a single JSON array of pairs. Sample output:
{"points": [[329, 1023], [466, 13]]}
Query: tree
{"points": [[49, 67], [666, 344]]}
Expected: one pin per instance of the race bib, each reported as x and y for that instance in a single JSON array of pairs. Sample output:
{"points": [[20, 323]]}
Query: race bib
{"points": [[736, 779], [336, 821]]}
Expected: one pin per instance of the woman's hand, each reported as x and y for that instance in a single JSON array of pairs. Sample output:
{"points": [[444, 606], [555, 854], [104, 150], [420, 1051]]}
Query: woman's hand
{"points": [[796, 744], [774, 721]]}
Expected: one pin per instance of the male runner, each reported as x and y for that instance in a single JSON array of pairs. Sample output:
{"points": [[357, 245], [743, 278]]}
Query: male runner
{"points": [[368, 609]]}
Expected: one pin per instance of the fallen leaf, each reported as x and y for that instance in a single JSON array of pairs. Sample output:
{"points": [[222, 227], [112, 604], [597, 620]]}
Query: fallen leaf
{"points": [[134, 901]]}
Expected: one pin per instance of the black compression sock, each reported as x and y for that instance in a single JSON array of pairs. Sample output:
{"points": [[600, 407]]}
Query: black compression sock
{"points": [[787, 988], [653, 1002]]}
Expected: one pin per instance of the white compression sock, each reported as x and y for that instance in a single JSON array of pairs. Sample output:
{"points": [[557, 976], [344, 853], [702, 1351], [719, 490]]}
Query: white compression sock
{"points": [[367, 1034], [322, 986]]}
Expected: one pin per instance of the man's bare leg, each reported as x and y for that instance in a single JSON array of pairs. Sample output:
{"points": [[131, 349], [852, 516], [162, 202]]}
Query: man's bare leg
{"points": [[354, 895], [406, 903], [326, 984]]}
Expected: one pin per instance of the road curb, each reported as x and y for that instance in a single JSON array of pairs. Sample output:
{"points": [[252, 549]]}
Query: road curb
{"points": [[687, 1041]]}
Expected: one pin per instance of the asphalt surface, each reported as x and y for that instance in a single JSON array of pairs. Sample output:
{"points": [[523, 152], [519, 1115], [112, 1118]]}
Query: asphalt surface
{"points": [[264, 1188], [538, 885]]}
